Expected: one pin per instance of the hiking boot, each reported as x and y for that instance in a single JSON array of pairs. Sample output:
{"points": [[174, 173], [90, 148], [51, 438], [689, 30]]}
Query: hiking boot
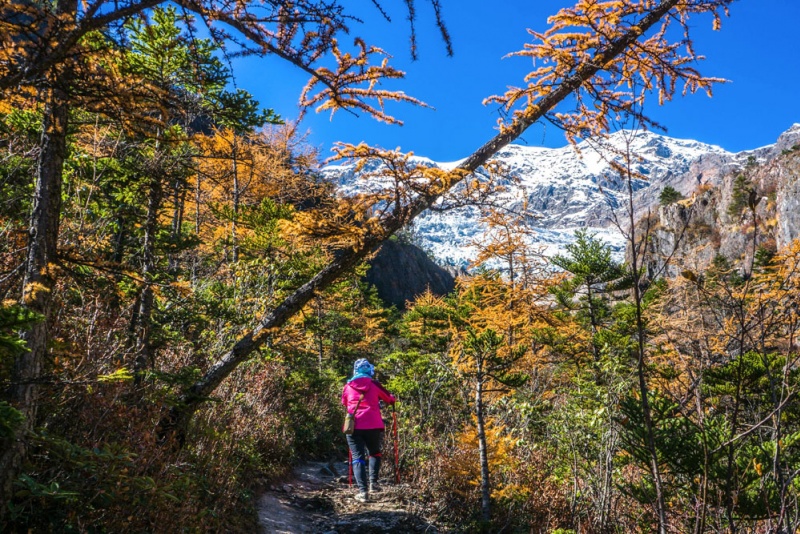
{"points": [[374, 487], [362, 497]]}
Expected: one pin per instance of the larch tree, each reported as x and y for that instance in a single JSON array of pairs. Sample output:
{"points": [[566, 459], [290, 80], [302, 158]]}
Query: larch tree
{"points": [[736, 339], [594, 52], [485, 342], [636, 237]]}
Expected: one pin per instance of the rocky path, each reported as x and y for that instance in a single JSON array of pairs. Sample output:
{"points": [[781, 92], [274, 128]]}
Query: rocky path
{"points": [[318, 501]]}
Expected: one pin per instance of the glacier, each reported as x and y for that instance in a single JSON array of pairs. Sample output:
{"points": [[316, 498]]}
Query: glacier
{"points": [[562, 190]]}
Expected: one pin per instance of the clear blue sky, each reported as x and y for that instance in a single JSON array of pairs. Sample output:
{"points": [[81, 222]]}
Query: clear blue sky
{"points": [[758, 50]]}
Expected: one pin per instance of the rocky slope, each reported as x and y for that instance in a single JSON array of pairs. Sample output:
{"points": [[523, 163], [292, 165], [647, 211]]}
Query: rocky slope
{"points": [[565, 189], [748, 211]]}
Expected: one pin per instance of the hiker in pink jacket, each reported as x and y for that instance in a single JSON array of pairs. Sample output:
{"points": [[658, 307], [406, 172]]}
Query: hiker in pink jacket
{"points": [[361, 396]]}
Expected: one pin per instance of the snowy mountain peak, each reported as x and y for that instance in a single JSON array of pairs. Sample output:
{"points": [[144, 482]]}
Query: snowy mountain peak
{"points": [[569, 188]]}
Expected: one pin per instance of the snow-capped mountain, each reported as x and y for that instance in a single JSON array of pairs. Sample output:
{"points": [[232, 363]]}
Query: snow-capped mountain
{"points": [[568, 188]]}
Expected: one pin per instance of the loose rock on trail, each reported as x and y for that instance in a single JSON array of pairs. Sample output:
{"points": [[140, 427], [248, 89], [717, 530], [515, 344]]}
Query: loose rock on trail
{"points": [[317, 500]]}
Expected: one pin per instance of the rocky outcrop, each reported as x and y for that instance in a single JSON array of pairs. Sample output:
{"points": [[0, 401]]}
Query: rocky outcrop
{"points": [[788, 201], [401, 271], [746, 212]]}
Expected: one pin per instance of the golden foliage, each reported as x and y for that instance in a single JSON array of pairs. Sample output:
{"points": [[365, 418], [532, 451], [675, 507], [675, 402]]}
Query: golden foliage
{"points": [[461, 470], [579, 35], [353, 81], [397, 175], [246, 169], [705, 320]]}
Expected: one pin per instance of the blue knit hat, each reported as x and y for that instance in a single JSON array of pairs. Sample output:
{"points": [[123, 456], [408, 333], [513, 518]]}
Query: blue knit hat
{"points": [[363, 367]]}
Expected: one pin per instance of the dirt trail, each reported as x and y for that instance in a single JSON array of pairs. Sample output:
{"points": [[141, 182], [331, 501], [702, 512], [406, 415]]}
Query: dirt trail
{"points": [[318, 501]]}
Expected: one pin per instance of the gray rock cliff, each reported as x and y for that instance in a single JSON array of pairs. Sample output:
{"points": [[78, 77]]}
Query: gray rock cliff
{"points": [[743, 211]]}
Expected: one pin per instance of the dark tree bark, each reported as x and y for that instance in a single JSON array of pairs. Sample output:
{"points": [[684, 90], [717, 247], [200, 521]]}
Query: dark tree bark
{"points": [[236, 198], [486, 488], [179, 187], [641, 356], [38, 286], [144, 349]]}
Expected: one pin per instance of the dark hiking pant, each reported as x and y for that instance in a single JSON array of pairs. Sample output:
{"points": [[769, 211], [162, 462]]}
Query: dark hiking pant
{"points": [[365, 446]]}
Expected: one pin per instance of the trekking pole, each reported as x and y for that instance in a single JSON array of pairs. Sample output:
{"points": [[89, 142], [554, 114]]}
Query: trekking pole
{"points": [[349, 468], [394, 435]]}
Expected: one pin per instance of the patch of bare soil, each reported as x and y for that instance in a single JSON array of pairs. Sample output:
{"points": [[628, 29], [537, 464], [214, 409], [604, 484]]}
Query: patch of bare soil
{"points": [[318, 501]]}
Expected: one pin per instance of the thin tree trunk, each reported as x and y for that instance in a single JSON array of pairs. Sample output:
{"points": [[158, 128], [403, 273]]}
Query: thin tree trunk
{"points": [[648, 424], [178, 200], [661, 510], [38, 285], [234, 239], [144, 348], [607, 474], [116, 258], [512, 287], [195, 258], [345, 260], [784, 483], [320, 341], [593, 322], [700, 515], [731, 453], [573, 497], [486, 503]]}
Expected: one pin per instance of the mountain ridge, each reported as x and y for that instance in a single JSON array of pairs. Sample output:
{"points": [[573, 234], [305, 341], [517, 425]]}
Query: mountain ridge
{"points": [[569, 188]]}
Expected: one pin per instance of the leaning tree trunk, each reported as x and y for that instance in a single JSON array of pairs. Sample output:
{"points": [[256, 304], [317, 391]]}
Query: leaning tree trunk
{"points": [[180, 415], [38, 286]]}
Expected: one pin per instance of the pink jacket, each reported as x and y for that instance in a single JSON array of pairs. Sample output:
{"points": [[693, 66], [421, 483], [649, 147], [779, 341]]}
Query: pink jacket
{"points": [[369, 411]]}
